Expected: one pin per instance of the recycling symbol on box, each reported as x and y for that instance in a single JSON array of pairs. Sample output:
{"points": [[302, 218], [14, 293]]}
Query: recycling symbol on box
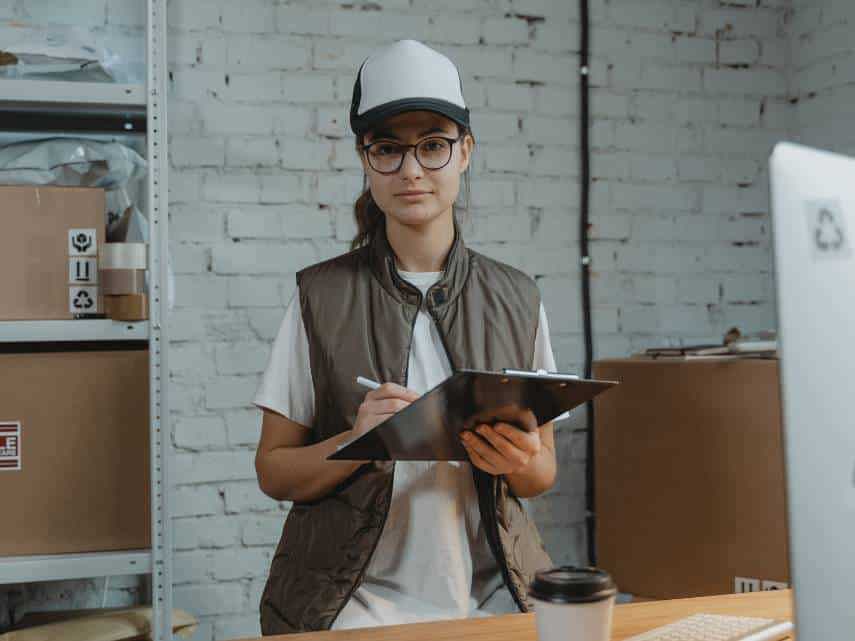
{"points": [[828, 229], [83, 300]]}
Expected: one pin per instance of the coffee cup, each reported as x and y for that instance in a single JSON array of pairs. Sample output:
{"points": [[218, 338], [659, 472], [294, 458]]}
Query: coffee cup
{"points": [[573, 604]]}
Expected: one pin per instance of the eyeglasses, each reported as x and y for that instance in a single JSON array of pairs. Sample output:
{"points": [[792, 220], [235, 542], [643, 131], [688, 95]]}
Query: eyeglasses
{"points": [[387, 157]]}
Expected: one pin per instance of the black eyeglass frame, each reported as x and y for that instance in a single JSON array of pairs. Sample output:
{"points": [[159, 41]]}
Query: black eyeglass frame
{"points": [[406, 148]]}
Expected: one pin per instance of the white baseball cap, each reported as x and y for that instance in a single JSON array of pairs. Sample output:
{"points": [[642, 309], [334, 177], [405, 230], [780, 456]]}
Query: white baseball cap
{"points": [[406, 76]]}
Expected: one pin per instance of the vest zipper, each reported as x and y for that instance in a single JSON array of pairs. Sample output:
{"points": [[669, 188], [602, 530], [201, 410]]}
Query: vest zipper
{"points": [[493, 524], [500, 551], [361, 575]]}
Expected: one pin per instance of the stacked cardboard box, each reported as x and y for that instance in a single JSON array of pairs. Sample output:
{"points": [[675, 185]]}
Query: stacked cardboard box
{"points": [[74, 417]]}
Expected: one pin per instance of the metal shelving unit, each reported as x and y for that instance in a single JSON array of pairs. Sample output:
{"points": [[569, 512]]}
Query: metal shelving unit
{"points": [[76, 330], [104, 109], [58, 567], [42, 92], [55, 106]]}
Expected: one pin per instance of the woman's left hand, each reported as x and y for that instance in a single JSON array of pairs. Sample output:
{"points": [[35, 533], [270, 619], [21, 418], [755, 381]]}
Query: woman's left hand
{"points": [[501, 448]]}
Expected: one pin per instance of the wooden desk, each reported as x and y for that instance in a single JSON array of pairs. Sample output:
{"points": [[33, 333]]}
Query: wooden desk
{"points": [[629, 619]]}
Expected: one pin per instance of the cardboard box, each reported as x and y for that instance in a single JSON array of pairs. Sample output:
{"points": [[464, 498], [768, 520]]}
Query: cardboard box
{"points": [[81, 483], [47, 270], [690, 489]]}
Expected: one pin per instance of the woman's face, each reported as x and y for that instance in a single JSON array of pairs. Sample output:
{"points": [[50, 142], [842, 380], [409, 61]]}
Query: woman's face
{"points": [[438, 187]]}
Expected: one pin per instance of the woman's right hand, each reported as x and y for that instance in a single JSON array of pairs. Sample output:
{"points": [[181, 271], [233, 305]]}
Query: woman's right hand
{"points": [[380, 404]]}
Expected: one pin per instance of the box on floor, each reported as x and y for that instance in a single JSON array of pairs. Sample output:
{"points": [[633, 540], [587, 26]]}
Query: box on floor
{"points": [[690, 490]]}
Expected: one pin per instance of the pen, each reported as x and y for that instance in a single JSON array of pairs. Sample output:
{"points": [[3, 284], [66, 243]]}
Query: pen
{"points": [[367, 382]]}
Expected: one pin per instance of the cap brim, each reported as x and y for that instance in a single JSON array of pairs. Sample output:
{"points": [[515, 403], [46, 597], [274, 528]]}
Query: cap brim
{"points": [[373, 117]]}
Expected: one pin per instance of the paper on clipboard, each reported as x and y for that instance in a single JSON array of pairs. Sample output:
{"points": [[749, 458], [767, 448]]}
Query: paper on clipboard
{"points": [[429, 428]]}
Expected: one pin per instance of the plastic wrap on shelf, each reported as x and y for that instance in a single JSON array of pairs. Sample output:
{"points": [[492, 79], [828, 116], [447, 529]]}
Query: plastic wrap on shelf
{"points": [[70, 162], [68, 53]]}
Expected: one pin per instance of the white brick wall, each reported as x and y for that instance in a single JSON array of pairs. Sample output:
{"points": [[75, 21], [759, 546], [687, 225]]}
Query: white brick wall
{"points": [[823, 73], [688, 97]]}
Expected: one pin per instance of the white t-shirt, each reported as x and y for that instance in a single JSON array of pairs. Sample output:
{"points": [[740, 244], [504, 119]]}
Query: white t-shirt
{"points": [[432, 560]]}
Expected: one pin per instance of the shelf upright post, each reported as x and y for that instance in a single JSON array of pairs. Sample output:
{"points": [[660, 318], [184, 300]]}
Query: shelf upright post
{"points": [[161, 539]]}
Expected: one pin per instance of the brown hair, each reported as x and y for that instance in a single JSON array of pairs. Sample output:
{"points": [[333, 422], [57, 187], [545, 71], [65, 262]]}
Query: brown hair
{"points": [[369, 217]]}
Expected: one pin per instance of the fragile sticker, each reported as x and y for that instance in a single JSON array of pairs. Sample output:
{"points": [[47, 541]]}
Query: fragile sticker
{"points": [[10, 446], [82, 242]]}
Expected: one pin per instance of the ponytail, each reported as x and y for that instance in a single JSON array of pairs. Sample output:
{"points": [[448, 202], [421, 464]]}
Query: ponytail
{"points": [[368, 218]]}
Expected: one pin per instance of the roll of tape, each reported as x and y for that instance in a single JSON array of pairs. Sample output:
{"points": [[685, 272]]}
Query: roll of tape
{"points": [[123, 256], [116, 282], [133, 307]]}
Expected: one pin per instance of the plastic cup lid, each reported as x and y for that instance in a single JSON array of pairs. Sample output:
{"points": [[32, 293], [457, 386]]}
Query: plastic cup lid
{"points": [[568, 584]]}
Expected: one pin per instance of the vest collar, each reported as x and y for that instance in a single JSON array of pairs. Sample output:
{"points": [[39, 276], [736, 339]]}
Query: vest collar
{"points": [[442, 293]]}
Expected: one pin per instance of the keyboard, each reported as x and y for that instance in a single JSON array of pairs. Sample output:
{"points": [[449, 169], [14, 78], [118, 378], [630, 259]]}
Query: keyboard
{"points": [[716, 627]]}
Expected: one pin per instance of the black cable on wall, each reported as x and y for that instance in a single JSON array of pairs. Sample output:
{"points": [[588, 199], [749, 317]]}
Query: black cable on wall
{"points": [[584, 252]]}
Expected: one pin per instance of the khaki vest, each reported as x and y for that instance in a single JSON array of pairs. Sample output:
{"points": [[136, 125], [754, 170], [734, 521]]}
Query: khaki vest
{"points": [[359, 316]]}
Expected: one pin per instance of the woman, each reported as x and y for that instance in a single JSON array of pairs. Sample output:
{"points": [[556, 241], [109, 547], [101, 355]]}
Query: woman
{"points": [[379, 543]]}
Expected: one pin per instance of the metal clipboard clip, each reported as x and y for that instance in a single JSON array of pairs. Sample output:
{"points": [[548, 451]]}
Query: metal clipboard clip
{"points": [[540, 373]]}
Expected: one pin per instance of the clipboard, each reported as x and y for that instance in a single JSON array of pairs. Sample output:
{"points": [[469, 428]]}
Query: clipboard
{"points": [[429, 428]]}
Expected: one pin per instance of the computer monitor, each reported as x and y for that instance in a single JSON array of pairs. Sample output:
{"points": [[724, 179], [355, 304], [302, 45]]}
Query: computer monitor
{"points": [[813, 230]]}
